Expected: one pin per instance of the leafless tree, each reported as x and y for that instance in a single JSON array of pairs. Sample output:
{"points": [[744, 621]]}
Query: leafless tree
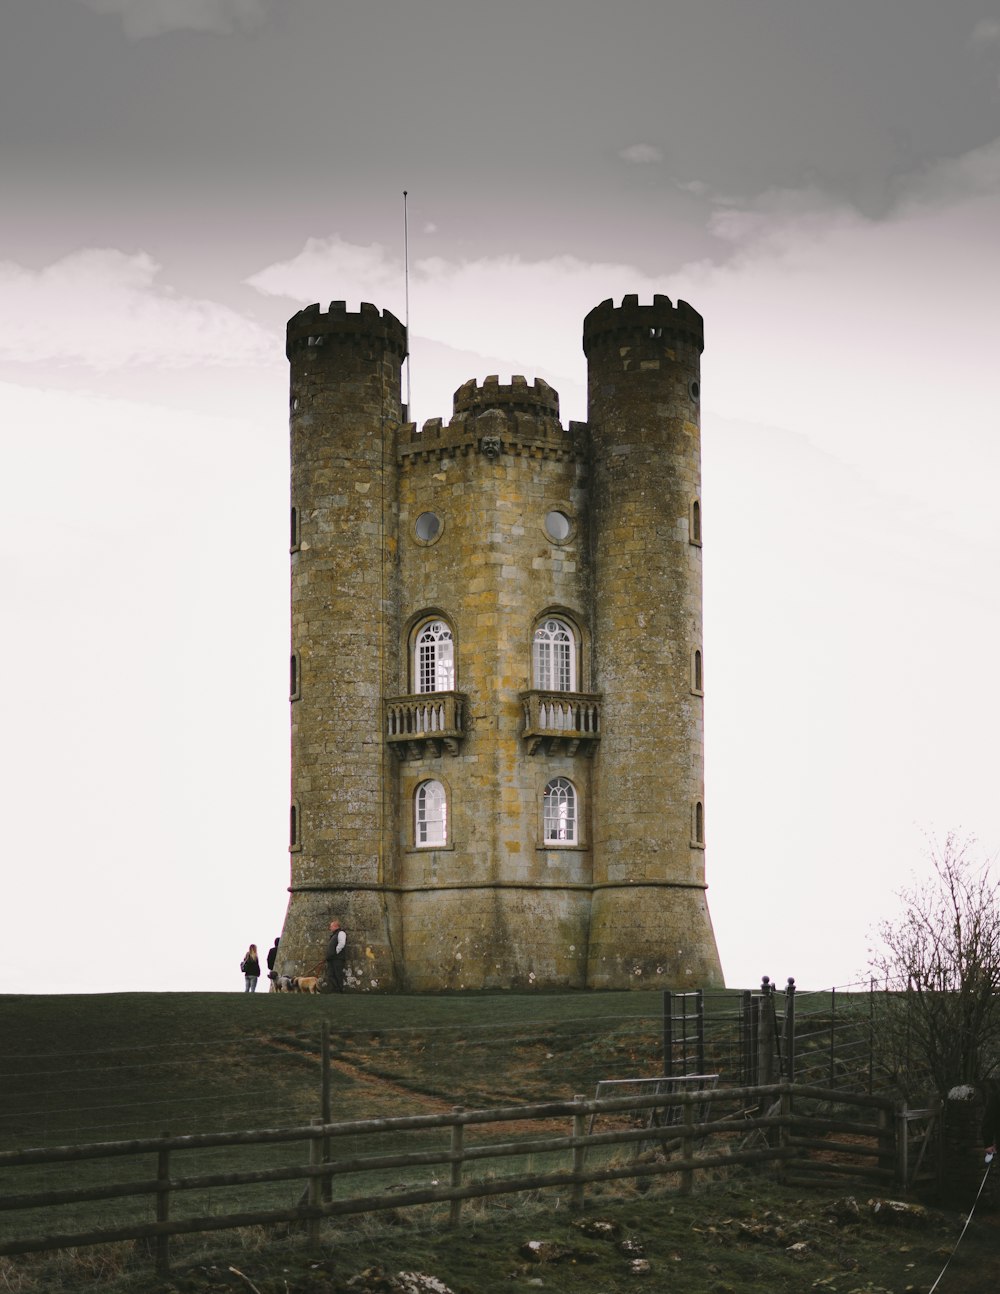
{"points": [[938, 1021]]}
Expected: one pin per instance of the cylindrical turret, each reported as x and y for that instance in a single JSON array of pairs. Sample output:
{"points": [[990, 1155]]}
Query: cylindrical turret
{"points": [[650, 921], [345, 411]]}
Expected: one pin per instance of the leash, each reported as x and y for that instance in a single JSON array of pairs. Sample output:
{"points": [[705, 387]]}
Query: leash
{"points": [[989, 1165]]}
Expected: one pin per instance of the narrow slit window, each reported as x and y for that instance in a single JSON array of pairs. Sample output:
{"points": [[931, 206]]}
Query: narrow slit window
{"points": [[697, 672], [696, 521], [699, 823], [295, 539]]}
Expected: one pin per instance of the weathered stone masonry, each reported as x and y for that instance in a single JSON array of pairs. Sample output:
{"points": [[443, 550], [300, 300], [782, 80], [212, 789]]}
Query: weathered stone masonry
{"points": [[501, 616]]}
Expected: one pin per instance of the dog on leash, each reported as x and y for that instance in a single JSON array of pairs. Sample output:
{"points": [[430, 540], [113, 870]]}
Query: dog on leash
{"points": [[280, 983], [305, 984]]}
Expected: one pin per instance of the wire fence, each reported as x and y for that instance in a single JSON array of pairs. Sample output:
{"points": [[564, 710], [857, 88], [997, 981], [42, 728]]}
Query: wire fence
{"points": [[62, 1084]]}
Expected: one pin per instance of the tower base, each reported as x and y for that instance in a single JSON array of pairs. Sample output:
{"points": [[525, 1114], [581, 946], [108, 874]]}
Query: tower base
{"points": [[652, 936]]}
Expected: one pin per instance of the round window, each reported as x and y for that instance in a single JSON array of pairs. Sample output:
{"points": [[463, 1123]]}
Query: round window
{"points": [[557, 526], [427, 527]]}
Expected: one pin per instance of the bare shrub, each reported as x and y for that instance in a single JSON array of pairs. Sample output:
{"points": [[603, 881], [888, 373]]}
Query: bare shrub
{"points": [[937, 1024]]}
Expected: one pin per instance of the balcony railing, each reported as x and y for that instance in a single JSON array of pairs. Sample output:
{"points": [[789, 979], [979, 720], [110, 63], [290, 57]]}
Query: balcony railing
{"points": [[427, 721], [564, 722]]}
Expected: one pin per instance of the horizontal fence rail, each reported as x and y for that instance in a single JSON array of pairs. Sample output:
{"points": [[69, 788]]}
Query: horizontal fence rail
{"points": [[782, 1124]]}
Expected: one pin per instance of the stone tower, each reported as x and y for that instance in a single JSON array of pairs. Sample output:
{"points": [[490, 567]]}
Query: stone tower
{"points": [[497, 736]]}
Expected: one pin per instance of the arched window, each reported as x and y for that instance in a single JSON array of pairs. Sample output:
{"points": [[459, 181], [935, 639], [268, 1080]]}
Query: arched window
{"points": [[559, 812], [430, 824], [554, 657], [697, 672], [293, 828], [434, 658]]}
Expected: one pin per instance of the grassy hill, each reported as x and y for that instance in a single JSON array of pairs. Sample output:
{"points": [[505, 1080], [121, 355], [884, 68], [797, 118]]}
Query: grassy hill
{"points": [[88, 1068]]}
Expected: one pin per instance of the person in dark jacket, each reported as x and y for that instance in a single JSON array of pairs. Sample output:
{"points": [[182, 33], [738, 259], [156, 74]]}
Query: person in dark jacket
{"points": [[272, 953], [250, 967], [336, 958]]}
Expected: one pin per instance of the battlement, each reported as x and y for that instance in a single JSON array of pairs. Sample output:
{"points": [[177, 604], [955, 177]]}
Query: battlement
{"points": [[608, 326], [312, 327], [539, 399], [529, 430]]}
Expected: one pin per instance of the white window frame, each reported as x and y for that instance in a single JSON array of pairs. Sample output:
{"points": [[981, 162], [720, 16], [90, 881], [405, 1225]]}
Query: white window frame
{"points": [[560, 813], [434, 658], [553, 656], [430, 815]]}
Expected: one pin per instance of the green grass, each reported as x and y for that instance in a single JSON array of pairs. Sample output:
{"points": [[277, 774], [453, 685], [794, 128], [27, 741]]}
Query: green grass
{"points": [[81, 1068]]}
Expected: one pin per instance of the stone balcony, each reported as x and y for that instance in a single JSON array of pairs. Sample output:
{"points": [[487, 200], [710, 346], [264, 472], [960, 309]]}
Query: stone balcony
{"points": [[561, 722], [425, 723]]}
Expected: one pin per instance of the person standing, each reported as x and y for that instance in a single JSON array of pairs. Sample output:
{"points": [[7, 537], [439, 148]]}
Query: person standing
{"points": [[272, 954], [336, 958], [250, 967]]}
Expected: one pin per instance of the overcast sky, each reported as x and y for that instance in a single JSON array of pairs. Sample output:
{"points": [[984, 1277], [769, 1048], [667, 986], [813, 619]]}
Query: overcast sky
{"points": [[821, 181]]}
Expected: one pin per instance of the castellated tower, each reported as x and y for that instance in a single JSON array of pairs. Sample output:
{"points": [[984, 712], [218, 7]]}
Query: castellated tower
{"points": [[643, 393], [497, 767]]}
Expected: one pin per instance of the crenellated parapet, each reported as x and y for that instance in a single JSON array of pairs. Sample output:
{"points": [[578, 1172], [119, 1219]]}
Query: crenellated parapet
{"points": [[495, 419], [539, 399], [313, 328], [610, 328]]}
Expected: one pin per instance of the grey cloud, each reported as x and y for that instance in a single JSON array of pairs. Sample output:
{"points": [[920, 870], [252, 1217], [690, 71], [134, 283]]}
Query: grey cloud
{"points": [[153, 17], [986, 32], [641, 154]]}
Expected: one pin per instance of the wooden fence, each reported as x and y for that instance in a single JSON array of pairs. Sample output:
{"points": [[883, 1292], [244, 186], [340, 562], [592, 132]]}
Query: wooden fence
{"points": [[784, 1125]]}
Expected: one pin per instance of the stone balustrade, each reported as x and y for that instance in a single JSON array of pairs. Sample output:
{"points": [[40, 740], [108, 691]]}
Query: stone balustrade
{"points": [[435, 719], [563, 721]]}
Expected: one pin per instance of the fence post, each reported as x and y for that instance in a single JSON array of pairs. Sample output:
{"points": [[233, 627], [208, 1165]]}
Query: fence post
{"points": [[457, 1146], [871, 1036], [315, 1161], [325, 1106], [700, 1005], [579, 1156], [888, 1128], [747, 1074], [790, 1029], [784, 1135], [902, 1147], [163, 1209], [833, 1031], [668, 1042], [765, 1035], [687, 1149]]}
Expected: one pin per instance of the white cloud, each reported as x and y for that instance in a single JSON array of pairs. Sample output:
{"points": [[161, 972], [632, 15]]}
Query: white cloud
{"points": [[153, 17], [105, 309], [641, 154], [531, 302]]}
